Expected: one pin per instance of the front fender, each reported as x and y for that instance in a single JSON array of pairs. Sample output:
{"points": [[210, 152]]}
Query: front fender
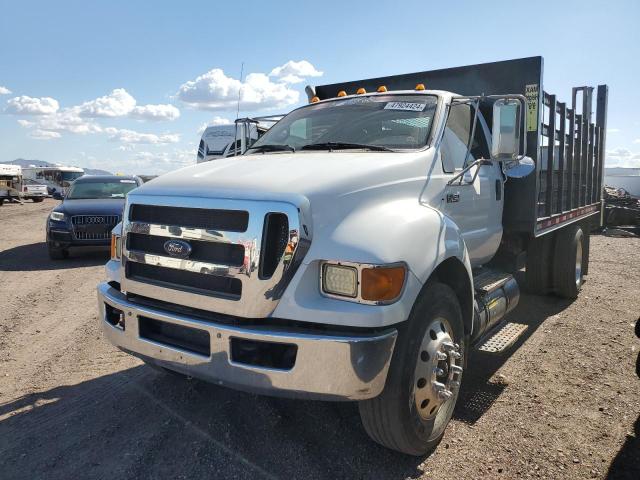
{"points": [[387, 232]]}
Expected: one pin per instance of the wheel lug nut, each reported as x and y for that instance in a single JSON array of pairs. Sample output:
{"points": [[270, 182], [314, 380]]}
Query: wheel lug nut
{"points": [[456, 369], [439, 372], [441, 356]]}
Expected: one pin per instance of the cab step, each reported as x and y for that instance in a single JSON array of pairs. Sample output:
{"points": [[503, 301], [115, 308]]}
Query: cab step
{"points": [[502, 338]]}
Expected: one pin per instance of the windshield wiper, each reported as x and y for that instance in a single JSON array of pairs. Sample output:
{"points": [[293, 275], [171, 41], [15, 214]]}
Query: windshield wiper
{"points": [[345, 145], [272, 147]]}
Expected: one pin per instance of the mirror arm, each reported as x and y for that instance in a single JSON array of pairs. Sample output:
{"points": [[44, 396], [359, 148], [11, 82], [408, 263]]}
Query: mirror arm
{"points": [[480, 162]]}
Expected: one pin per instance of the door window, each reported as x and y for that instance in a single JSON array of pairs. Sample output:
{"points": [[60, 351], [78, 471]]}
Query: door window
{"points": [[455, 141]]}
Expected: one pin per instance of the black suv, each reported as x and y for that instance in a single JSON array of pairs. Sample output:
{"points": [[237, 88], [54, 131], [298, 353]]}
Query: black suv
{"points": [[88, 212]]}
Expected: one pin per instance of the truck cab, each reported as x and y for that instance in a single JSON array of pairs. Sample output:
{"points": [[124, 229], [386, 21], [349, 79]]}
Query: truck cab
{"points": [[364, 246]]}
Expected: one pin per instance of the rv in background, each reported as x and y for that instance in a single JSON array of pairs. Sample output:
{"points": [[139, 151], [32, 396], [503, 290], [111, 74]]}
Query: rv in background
{"points": [[221, 141], [10, 182], [56, 178]]}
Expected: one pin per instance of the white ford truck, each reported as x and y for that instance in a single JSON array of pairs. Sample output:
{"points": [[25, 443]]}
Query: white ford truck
{"points": [[366, 244]]}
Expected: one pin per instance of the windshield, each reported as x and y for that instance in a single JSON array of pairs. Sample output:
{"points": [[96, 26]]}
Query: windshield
{"points": [[389, 121], [112, 189], [70, 176]]}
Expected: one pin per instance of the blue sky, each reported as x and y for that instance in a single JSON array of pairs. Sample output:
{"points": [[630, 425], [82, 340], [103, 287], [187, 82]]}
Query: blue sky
{"points": [[127, 86]]}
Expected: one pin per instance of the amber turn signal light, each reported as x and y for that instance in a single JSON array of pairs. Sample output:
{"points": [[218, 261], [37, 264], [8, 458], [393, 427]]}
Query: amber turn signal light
{"points": [[382, 89], [361, 91], [420, 86], [115, 247], [382, 284], [315, 99], [342, 93]]}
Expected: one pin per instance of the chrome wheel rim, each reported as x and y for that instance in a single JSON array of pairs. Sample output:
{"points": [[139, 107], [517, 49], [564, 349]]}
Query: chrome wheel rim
{"points": [[579, 264], [438, 370]]}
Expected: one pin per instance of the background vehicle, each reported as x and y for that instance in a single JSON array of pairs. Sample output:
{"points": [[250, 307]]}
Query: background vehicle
{"points": [[56, 178], [10, 181], [221, 141], [32, 190], [92, 207], [388, 227]]}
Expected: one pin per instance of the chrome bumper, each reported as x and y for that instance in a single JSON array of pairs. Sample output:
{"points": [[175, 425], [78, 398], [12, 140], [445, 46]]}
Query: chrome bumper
{"points": [[327, 367]]}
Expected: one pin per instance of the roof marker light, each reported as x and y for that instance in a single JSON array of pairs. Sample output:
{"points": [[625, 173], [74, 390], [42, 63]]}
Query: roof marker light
{"points": [[360, 91], [382, 89], [315, 99], [342, 93], [420, 86]]}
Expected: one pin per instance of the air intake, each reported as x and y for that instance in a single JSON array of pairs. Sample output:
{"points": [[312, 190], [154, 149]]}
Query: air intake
{"points": [[274, 243]]}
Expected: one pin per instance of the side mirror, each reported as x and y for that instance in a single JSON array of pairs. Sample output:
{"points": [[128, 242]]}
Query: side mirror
{"points": [[505, 144], [57, 195]]}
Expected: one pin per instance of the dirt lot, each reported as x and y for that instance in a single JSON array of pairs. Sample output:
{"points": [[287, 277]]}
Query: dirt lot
{"points": [[563, 403]]}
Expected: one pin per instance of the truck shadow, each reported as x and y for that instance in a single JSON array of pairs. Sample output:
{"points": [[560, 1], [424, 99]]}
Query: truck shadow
{"points": [[480, 389], [34, 257], [137, 423]]}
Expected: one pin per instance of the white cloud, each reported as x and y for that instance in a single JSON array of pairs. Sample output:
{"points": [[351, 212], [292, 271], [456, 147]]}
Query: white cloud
{"points": [[68, 120], [44, 135], [155, 112], [26, 123], [119, 103], [24, 105], [4, 91], [637, 140], [613, 130], [622, 157], [131, 136], [216, 91], [116, 104], [295, 72]]}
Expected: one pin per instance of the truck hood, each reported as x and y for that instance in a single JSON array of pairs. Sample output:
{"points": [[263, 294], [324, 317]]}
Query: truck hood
{"points": [[285, 176]]}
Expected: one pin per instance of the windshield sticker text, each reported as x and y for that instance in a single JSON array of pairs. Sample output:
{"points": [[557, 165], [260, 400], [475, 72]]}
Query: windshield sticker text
{"points": [[410, 106]]}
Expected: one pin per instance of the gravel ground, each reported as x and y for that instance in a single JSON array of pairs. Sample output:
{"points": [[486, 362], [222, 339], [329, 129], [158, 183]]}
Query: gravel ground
{"points": [[564, 402]]}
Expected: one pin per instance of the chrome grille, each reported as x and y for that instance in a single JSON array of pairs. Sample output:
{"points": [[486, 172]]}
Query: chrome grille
{"points": [[232, 244], [95, 220], [93, 227], [92, 236]]}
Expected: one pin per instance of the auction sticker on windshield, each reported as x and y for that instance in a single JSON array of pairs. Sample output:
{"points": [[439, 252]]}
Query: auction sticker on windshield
{"points": [[411, 106]]}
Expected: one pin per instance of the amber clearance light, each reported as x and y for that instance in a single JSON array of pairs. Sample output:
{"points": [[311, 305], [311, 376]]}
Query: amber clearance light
{"points": [[382, 284]]}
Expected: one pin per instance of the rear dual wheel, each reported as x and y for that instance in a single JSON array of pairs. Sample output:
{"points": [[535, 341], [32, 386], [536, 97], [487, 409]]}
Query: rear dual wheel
{"points": [[571, 256], [423, 382]]}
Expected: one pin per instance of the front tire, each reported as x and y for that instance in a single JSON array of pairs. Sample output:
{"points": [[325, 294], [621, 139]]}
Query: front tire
{"points": [[423, 383], [37, 199]]}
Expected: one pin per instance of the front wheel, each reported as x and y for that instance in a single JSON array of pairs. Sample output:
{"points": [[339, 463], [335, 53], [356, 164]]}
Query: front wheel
{"points": [[37, 199], [413, 410]]}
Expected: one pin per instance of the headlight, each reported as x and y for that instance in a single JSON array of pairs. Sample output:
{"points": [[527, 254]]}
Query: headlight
{"points": [[363, 283], [116, 246], [57, 216], [340, 280]]}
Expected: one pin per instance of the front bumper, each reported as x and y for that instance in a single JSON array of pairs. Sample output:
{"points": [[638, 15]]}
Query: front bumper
{"points": [[326, 367]]}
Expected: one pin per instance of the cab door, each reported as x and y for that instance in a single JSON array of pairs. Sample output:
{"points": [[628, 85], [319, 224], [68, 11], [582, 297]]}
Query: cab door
{"points": [[474, 202]]}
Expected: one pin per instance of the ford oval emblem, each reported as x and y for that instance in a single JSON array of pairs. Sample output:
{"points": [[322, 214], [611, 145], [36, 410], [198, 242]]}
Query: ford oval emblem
{"points": [[177, 248]]}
